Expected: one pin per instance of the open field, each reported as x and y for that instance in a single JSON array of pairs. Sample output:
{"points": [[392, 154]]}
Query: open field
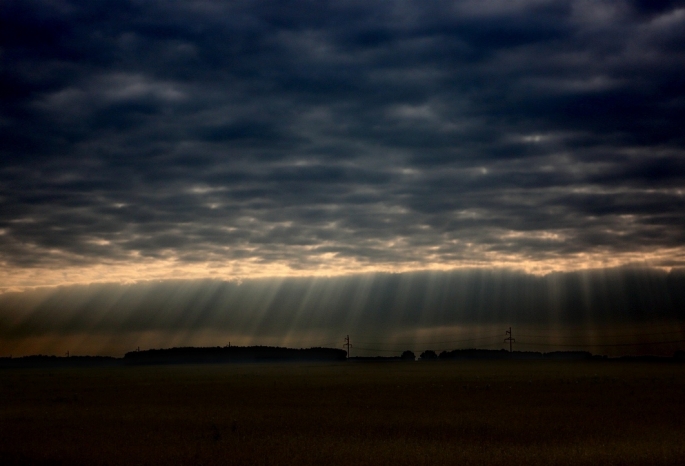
{"points": [[532, 413]]}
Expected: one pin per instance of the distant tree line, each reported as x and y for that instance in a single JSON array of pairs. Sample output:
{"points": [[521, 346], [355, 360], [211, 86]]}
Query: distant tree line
{"points": [[226, 354], [483, 354], [195, 355]]}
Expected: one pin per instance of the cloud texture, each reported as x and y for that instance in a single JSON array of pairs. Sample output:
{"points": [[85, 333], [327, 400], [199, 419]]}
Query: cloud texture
{"points": [[261, 137]]}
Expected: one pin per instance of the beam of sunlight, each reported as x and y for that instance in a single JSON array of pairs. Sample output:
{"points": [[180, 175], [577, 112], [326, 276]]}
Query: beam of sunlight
{"points": [[606, 311]]}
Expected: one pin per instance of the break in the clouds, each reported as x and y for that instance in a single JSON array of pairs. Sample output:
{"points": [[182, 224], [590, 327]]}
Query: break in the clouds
{"points": [[609, 311], [180, 139]]}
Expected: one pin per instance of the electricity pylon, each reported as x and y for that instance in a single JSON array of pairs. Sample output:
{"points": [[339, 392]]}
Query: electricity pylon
{"points": [[509, 339]]}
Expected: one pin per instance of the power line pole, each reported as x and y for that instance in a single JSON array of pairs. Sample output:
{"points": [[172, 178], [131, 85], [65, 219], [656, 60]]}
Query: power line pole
{"points": [[509, 339], [347, 344]]}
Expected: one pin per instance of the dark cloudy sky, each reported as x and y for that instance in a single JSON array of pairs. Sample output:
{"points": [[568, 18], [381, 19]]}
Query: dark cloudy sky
{"points": [[295, 137], [207, 139]]}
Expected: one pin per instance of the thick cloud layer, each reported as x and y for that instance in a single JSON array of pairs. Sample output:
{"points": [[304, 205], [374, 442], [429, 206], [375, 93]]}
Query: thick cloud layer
{"points": [[327, 135], [614, 311]]}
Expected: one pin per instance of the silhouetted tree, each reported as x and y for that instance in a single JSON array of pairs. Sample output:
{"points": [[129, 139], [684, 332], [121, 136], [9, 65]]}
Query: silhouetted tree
{"points": [[408, 356], [428, 355], [445, 355]]}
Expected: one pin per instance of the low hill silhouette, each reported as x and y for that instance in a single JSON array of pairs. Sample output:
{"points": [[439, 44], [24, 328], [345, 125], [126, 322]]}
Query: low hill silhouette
{"points": [[195, 355], [254, 354]]}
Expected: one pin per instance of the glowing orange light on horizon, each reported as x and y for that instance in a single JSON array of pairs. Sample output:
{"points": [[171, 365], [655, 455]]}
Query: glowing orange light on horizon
{"points": [[329, 265]]}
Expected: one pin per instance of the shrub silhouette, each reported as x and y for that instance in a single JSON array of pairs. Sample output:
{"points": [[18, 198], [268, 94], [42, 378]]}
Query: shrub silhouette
{"points": [[408, 356], [428, 355]]}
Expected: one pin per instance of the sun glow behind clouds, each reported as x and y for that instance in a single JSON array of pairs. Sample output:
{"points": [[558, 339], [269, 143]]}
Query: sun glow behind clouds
{"points": [[329, 264], [385, 313]]}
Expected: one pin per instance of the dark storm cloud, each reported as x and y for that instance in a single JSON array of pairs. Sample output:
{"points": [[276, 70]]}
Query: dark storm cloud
{"points": [[378, 131]]}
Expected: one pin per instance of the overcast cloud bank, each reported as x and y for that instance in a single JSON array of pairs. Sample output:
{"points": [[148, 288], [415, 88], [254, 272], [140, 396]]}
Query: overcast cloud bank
{"points": [[261, 137]]}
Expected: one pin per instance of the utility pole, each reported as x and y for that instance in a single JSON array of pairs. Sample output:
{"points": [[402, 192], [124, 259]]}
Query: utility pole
{"points": [[347, 344], [509, 339]]}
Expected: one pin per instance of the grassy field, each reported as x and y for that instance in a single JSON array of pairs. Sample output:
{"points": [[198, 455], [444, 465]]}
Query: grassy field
{"points": [[528, 413]]}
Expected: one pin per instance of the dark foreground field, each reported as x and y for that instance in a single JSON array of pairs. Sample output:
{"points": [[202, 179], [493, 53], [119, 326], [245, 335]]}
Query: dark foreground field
{"points": [[528, 413]]}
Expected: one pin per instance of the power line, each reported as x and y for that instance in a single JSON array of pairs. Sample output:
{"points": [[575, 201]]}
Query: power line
{"points": [[593, 345], [654, 325], [556, 345], [379, 350], [614, 335], [403, 349], [498, 336], [511, 340], [329, 343], [451, 341]]}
